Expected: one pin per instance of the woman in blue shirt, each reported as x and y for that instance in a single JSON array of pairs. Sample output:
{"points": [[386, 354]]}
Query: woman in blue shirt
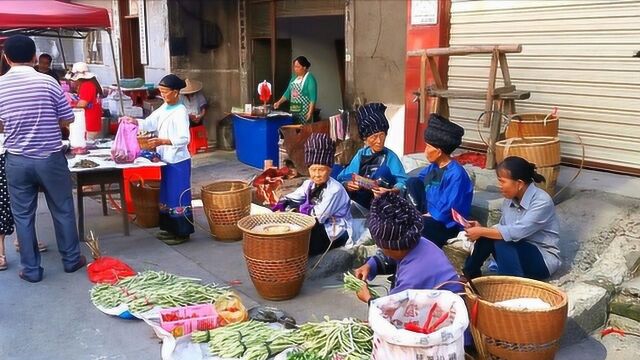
{"points": [[525, 243], [374, 161], [443, 185]]}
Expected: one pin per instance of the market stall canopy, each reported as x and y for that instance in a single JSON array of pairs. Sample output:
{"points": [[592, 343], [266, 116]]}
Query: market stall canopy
{"points": [[51, 14]]}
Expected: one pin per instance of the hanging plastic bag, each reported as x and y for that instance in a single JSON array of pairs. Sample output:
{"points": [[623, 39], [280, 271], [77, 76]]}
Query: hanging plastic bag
{"points": [[391, 315], [125, 146]]}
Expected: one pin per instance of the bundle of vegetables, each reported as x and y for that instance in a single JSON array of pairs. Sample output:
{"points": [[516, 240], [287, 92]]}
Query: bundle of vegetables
{"points": [[352, 283], [305, 355], [156, 288], [347, 339], [251, 340]]}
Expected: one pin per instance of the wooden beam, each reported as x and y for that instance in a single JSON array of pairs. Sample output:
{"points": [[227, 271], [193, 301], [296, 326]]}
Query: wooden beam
{"points": [[467, 50], [504, 67]]}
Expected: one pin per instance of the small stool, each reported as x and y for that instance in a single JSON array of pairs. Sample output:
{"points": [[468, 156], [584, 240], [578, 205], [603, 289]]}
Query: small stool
{"points": [[198, 139]]}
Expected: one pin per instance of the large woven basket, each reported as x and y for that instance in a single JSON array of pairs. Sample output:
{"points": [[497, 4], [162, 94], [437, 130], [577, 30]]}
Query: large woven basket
{"points": [[502, 333], [226, 202], [540, 150], [532, 124], [277, 260], [146, 199], [550, 174]]}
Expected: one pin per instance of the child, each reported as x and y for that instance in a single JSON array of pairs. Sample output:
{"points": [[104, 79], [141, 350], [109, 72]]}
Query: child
{"points": [[374, 161], [416, 262], [171, 121], [321, 197], [443, 185]]}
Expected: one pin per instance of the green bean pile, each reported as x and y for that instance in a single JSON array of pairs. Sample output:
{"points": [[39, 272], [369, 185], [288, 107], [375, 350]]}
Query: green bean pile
{"points": [[352, 283], [349, 338], [251, 340], [156, 288], [305, 355]]}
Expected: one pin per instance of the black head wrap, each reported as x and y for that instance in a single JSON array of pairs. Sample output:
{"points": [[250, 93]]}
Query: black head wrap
{"points": [[394, 223], [172, 82], [443, 134]]}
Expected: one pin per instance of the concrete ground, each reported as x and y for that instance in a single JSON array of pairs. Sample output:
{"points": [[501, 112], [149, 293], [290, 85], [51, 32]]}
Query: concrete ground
{"points": [[55, 319]]}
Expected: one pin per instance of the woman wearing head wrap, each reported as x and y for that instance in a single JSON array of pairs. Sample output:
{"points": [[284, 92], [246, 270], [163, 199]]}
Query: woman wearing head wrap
{"points": [[171, 121], [525, 242], [374, 161], [416, 262], [443, 185], [321, 196]]}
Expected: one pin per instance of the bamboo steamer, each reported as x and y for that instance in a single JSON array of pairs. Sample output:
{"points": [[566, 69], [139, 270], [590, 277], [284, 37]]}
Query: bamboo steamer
{"points": [[532, 124], [226, 202], [543, 151]]}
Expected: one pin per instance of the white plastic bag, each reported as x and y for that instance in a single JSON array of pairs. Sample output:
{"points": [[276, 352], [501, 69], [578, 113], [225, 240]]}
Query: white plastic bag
{"points": [[389, 314]]}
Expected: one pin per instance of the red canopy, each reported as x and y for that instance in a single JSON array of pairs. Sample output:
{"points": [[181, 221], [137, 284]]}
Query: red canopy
{"points": [[43, 14]]}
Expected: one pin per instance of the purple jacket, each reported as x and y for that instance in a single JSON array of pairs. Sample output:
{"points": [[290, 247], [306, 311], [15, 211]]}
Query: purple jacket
{"points": [[425, 267]]}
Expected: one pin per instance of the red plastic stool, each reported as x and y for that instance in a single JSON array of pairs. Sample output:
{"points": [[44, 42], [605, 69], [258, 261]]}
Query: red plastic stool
{"points": [[198, 139]]}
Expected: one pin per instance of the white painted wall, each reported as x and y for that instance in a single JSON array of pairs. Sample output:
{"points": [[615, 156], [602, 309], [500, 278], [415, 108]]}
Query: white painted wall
{"points": [[395, 136], [319, 48]]}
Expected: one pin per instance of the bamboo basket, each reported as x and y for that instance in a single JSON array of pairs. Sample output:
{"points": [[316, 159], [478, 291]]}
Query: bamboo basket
{"points": [[226, 202], [550, 174], [502, 333], [540, 150], [277, 260], [143, 141], [532, 124], [146, 199]]}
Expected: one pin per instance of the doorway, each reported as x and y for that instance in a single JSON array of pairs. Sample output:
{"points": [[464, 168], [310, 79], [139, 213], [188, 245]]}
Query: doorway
{"points": [[261, 59], [130, 40]]}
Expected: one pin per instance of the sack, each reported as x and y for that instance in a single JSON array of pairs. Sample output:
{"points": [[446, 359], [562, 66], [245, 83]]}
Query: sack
{"points": [[125, 148], [388, 316], [108, 270], [273, 183]]}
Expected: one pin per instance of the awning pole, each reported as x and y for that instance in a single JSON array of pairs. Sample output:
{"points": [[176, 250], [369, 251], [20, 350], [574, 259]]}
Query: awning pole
{"points": [[115, 68], [64, 59]]}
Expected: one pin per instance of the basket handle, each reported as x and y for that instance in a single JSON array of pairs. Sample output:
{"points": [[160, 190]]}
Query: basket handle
{"points": [[579, 169], [140, 179], [480, 117]]}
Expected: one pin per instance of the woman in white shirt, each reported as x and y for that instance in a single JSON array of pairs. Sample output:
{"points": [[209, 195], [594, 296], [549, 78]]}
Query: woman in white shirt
{"points": [[171, 122]]}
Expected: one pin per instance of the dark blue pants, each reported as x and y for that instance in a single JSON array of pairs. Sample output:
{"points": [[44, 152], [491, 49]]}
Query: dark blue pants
{"points": [[519, 258], [432, 229], [25, 176]]}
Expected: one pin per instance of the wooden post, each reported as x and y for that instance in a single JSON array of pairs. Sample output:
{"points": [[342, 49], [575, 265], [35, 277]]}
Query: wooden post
{"points": [[492, 117], [423, 84]]}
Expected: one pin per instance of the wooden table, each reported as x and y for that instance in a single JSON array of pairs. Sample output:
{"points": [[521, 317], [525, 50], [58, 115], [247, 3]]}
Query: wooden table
{"points": [[106, 174]]}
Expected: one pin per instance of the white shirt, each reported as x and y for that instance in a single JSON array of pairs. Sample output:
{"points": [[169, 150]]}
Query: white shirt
{"points": [[333, 210], [194, 102], [171, 122]]}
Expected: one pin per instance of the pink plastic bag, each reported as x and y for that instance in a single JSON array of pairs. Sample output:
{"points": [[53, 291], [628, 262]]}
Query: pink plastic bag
{"points": [[125, 147]]}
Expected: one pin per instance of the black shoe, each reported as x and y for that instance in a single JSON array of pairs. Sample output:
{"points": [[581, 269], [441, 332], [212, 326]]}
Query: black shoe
{"points": [[25, 278], [80, 264]]}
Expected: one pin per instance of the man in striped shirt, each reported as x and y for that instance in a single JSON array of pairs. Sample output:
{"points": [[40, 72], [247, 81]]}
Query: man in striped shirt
{"points": [[32, 110]]}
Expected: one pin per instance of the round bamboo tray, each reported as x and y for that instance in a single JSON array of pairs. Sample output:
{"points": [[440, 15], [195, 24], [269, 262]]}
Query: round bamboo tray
{"points": [[226, 202], [277, 255], [504, 333], [146, 199], [550, 174], [532, 124], [540, 150]]}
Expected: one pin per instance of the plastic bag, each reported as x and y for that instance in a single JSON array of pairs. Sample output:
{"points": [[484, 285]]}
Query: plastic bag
{"points": [[125, 146], [230, 310], [388, 316], [108, 270]]}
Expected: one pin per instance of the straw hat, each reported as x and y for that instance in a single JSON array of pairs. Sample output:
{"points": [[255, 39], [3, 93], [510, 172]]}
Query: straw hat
{"points": [[80, 70], [193, 86]]}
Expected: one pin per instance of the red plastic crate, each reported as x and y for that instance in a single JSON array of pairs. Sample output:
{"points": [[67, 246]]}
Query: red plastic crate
{"points": [[135, 174], [185, 320]]}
